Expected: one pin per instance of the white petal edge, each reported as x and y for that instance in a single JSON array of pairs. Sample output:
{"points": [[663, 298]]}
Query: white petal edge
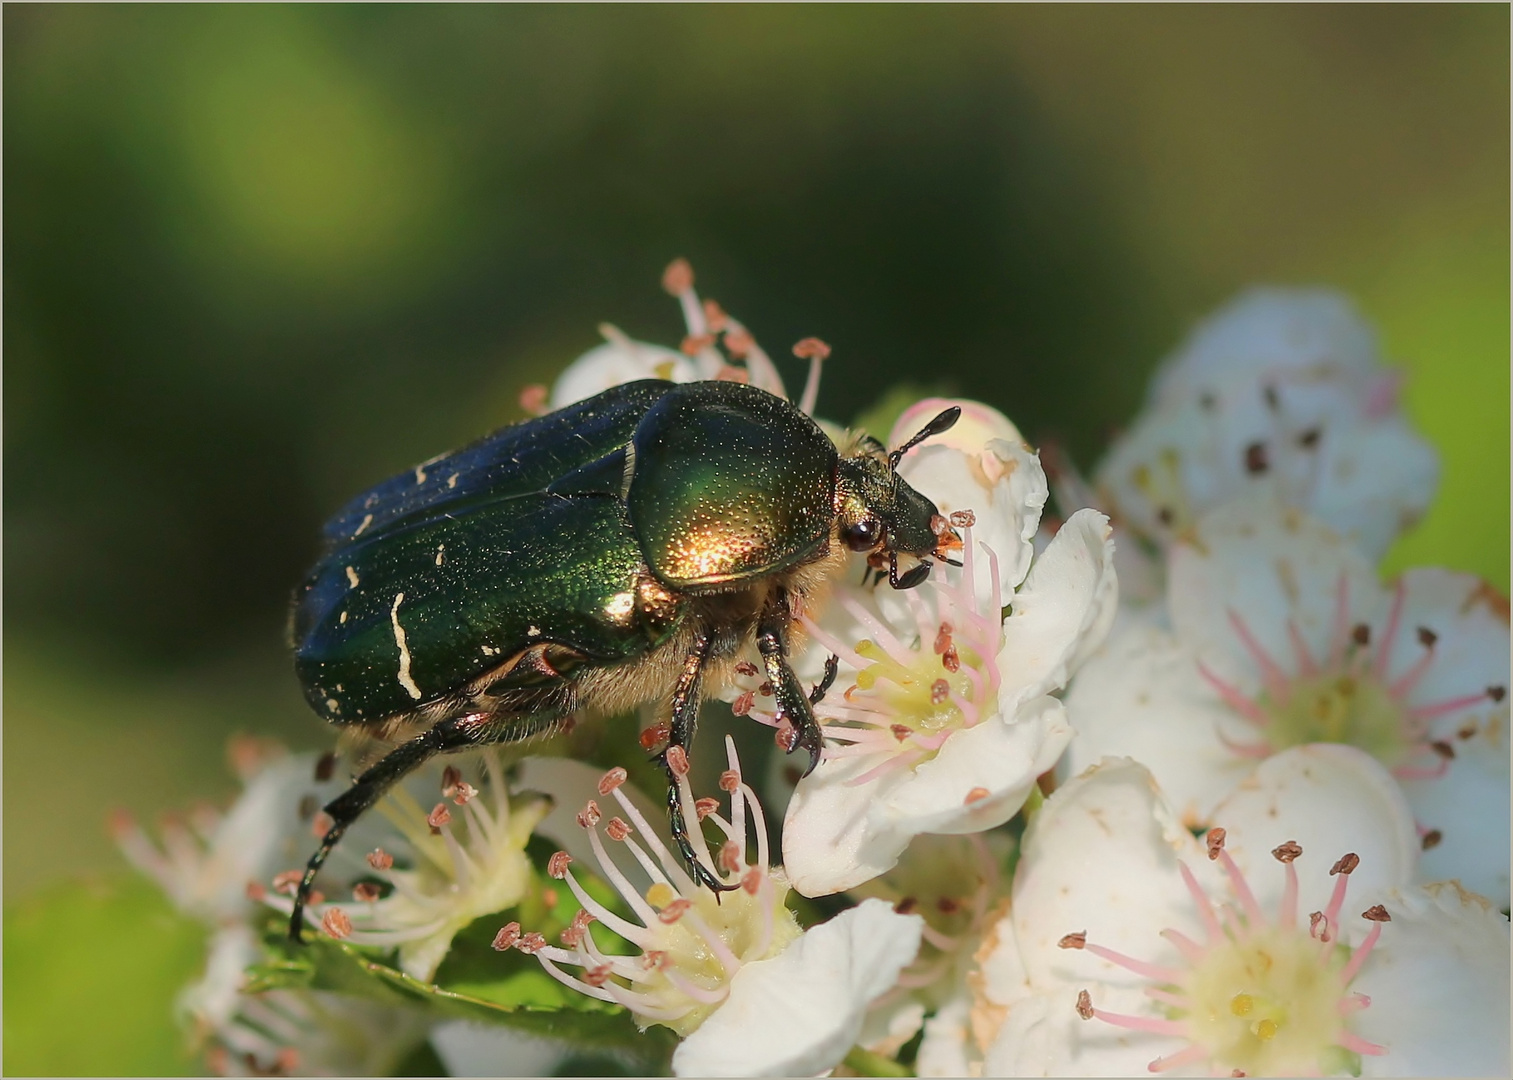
{"points": [[800, 1012], [1331, 799], [1438, 983], [1062, 612]]}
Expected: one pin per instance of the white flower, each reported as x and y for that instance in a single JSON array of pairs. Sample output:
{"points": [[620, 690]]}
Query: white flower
{"points": [[431, 870], [622, 360], [291, 1032], [1283, 636], [751, 992], [207, 857], [948, 717], [1129, 947], [954, 884], [619, 360], [1280, 393]]}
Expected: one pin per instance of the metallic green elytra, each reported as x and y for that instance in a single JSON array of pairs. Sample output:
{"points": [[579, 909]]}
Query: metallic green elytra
{"points": [[625, 549]]}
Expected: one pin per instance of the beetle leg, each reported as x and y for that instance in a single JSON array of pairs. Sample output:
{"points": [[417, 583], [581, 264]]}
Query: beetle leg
{"points": [[793, 704], [910, 578], [818, 691], [685, 720], [454, 733]]}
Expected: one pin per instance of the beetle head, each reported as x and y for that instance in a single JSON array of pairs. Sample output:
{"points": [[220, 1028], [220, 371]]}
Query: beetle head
{"points": [[880, 513]]}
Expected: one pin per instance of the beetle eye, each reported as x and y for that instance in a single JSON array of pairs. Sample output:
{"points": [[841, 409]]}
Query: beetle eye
{"points": [[863, 535]]}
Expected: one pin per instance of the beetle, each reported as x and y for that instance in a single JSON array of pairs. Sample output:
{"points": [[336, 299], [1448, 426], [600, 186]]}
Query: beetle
{"points": [[620, 550]]}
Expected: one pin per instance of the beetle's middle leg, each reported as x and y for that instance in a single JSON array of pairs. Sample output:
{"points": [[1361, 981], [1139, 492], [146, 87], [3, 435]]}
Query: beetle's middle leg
{"points": [[793, 704]]}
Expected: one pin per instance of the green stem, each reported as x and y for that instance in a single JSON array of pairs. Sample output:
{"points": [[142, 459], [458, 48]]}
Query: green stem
{"points": [[866, 1063]]}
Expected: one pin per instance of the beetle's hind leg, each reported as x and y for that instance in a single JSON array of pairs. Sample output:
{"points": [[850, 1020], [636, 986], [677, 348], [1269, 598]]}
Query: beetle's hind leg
{"points": [[685, 721], [454, 733]]}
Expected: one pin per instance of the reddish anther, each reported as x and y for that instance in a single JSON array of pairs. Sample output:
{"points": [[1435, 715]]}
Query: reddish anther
{"points": [[336, 923], [940, 692], [677, 279], [589, 816], [730, 781], [451, 776], [255, 892], [1286, 852], [730, 856], [287, 882], [1346, 864], [365, 892], [705, 806], [811, 347], [977, 794], [507, 936], [1376, 913], [379, 859], [963, 519], [531, 943], [901, 732], [1073, 941], [617, 829], [556, 866], [674, 911], [677, 760], [439, 816], [1084, 1005], [1215, 842], [943, 638], [950, 660], [787, 737], [612, 779], [534, 398]]}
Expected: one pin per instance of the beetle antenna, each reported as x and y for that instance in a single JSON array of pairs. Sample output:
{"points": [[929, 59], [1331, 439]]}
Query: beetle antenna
{"points": [[942, 423]]}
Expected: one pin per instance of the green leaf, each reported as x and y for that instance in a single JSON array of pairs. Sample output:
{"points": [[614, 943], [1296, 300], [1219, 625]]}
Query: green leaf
{"points": [[477, 983], [91, 973]]}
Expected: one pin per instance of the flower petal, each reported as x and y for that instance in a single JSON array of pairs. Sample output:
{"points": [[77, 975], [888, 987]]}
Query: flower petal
{"points": [[1141, 696], [1061, 613], [1101, 856], [1330, 799], [1438, 984], [838, 834], [1005, 488], [1043, 1036], [799, 1013], [1263, 565], [619, 360]]}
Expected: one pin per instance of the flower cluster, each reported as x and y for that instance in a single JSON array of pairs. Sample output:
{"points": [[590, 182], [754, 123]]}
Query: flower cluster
{"points": [[1173, 782]]}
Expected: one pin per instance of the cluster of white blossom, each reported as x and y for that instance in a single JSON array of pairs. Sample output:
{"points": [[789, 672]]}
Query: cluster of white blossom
{"points": [[1182, 787]]}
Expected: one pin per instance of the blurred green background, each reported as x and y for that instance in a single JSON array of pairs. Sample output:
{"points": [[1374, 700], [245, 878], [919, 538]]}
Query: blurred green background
{"points": [[258, 257]]}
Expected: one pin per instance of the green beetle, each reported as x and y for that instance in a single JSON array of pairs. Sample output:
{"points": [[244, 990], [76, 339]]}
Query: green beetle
{"points": [[624, 549]]}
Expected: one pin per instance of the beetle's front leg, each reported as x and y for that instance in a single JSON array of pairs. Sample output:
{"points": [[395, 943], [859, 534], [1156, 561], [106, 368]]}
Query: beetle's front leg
{"points": [[793, 704], [685, 722]]}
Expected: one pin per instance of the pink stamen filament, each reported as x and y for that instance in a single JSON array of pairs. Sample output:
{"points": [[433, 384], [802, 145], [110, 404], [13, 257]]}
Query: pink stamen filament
{"points": [[1191, 951], [1241, 888], [880, 633], [1202, 903], [1233, 697], [1356, 1044], [895, 761], [1277, 684], [834, 644], [1384, 649], [1139, 967], [1306, 666], [1358, 957], [1340, 639], [1404, 686], [1444, 708], [1287, 910], [1143, 1023], [758, 825], [1182, 1057], [636, 935]]}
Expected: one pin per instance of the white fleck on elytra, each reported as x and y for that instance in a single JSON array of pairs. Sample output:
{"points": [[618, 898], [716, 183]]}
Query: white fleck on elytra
{"points": [[440, 550], [533, 631], [452, 481], [404, 650], [630, 470], [352, 577], [333, 704], [343, 618], [366, 521], [489, 650]]}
